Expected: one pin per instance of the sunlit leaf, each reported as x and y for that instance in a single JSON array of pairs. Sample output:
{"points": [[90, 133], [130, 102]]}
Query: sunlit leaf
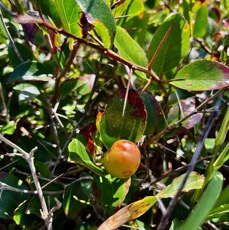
{"points": [[9, 128], [224, 129], [128, 8], [130, 49], [78, 153], [137, 28], [222, 158], [221, 206], [201, 22], [69, 13], [195, 181], [202, 75]]}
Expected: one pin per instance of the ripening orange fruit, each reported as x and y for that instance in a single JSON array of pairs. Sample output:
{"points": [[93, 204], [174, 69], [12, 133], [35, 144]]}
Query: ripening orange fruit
{"points": [[123, 159]]}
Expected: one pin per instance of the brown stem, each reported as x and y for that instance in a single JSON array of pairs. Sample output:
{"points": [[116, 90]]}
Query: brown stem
{"points": [[109, 53]]}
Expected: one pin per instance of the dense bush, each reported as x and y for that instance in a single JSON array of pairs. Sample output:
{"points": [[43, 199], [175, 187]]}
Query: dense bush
{"points": [[78, 75]]}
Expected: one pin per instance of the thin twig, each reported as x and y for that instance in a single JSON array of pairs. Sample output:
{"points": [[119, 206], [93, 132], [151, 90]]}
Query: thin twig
{"points": [[30, 160], [4, 186], [2, 100], [165, 218], [55, 135]]}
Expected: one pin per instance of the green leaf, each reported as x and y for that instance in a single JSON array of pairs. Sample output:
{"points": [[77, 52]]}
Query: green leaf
{"points": [[9, 128], [223, 131], [137, 28], [222, 158], [218, 211], [170, 44], [78, 153], [129, 212], [49, 8], [30, 72], [130, 49], [202, 75], [195, 181], [110, 191], [26, 92], [3, 34], [201, 22], [99, 15], [203, 207], [223, 198], [130, 126], [69, 13], [130, 8]]}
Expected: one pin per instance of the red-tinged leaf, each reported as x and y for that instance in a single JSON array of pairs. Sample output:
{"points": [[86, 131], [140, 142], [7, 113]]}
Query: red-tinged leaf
{"points": [[130, 126], [88, 140], [153, 112], [187, 106], [202, 75]]}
